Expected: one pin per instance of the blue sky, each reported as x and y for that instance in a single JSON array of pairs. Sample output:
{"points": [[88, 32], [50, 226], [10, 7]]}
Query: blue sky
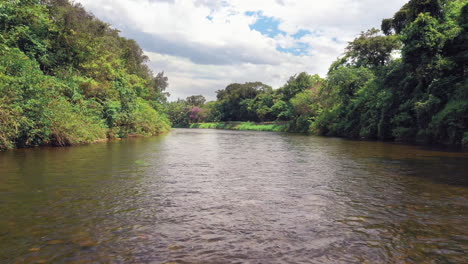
{"points": [[269, 27], [204, 45]]}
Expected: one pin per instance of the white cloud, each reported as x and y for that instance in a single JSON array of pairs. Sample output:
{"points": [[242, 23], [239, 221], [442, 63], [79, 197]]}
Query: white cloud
{"points": [[203, 45], [188, 78]]}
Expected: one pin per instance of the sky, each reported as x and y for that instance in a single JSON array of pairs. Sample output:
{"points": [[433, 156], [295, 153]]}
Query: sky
{"points": [[204, 45]]}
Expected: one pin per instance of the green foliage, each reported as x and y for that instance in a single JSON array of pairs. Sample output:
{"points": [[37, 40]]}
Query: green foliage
{"points": [[422, 96], [70, 125], [196, 100], [262, 105], [422, 41], [410, 11], [257, 102], [211, 112], [178, 113], [261, 127], [282, 110], [235, 102], [218, 125], [371, 49], [67, 78], [306, 108], [25, 92], [145, 120], [276, 127], [297, 84], [345, 101], [450, 124], [11, 121]]}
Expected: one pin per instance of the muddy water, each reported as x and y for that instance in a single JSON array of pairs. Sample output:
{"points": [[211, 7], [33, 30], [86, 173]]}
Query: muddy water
{"points": [[211, 196]]}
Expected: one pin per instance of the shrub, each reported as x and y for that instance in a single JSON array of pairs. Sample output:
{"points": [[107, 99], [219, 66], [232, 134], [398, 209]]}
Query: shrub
{"points": [[70, 126]]}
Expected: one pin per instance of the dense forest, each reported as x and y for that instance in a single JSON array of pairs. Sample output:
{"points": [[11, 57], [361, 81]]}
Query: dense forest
{"points": [[68, 78], [405, 82]]}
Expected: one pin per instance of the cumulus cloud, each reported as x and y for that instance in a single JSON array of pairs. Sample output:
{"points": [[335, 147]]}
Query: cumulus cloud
{"points": [[203, 45]]}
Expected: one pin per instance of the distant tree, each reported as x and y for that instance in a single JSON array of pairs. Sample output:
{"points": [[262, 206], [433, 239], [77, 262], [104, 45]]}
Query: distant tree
{"points": [[262, 104], [233, 104], [282, 110], [159, 84], [196, 100], [178, 113], [210, 112], [195, 114], [297, 84]]}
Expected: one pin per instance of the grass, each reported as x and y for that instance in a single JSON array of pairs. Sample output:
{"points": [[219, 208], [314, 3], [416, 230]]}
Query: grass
{"points": [[243, 126]]}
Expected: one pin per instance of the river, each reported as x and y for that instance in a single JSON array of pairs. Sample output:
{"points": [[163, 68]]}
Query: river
{"points": [[215, 196]]}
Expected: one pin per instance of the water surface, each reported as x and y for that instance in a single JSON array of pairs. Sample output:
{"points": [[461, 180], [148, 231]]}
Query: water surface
{"points": [[213, 196]]}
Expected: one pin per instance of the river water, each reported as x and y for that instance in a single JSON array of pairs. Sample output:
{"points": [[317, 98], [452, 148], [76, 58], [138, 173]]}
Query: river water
{"points": [[214, 196]]}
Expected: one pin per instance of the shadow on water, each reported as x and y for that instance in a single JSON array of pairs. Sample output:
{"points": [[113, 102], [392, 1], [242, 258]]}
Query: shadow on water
{"points": [[443, 165]]}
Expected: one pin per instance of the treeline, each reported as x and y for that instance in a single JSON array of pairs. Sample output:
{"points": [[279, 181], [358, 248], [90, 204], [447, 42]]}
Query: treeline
{"points": [[69, 78], [407, 84]]}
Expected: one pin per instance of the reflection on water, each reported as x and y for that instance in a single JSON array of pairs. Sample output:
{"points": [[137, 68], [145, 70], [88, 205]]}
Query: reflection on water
{"points": [[210, 196]]}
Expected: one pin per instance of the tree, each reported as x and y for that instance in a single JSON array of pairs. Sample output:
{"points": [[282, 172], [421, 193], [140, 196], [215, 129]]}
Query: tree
{"points": [[371, 49], [159, 84], [297, 84], [231, 100], [410, 11], [195, 114], [68, 78], [196, 100], [262, 104], [178, 113]]}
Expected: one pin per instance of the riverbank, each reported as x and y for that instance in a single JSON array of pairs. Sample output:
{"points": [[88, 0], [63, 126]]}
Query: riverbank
{"points": [[266, 126], [67, 143], [284, 127], [50, 96]]}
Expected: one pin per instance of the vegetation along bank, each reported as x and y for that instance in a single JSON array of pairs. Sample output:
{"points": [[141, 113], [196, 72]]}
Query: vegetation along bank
{"points": [[405, 82], [265, 126], [68, 78]]}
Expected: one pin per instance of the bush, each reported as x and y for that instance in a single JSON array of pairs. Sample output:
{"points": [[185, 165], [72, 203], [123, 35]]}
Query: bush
{"points": [[145, 120], [450, 124], [70, 126], [11, 120]]}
